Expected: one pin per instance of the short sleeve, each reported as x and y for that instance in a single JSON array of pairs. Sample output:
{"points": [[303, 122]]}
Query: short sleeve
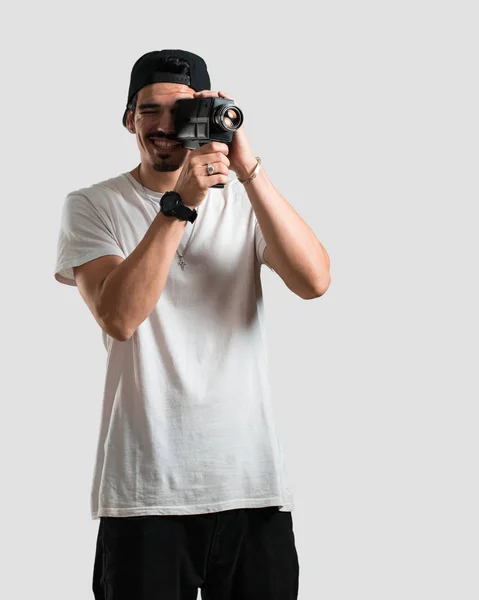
{"points": [[84, 235], [260, 243]]}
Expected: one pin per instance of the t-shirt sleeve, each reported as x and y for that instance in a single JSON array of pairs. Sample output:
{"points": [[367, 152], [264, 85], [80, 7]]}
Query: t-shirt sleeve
{"points": [[260, 243], [84, 235]]}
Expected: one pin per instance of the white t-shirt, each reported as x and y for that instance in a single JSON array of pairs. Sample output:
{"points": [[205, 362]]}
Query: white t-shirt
{"points": [[187, 424]]}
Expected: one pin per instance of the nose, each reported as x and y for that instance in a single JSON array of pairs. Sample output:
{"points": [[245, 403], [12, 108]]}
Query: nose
{"points": [[166, 125]]}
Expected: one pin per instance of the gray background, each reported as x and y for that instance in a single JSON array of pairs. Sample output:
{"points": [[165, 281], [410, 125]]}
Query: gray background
{"points": [[365, 116]]}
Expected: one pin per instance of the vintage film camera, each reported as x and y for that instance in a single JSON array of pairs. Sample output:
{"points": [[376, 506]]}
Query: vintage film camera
{"points": [[199, 121]]}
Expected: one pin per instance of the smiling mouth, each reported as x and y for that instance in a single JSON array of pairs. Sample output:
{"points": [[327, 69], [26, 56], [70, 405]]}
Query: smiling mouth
{"points": [[161, 145]]}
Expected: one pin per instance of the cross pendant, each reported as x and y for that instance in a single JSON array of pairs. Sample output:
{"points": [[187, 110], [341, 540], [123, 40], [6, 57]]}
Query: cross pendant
{"points": [[182, 263]]}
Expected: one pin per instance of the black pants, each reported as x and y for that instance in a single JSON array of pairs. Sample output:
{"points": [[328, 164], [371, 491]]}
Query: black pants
{"points": [[240, 554]]}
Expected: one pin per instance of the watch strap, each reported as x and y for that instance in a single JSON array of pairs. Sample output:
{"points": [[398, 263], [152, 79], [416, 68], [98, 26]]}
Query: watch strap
{"points": [[180, 211], [185, 213]]}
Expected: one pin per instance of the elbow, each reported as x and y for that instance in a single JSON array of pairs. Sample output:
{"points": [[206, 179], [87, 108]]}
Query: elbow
{"points": [[113, 324], [115, 331], [121, 337], [117, 334], [319, 289]]}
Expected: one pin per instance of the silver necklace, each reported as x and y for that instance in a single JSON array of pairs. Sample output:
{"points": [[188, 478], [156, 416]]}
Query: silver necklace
{"points": [[181, 262]]}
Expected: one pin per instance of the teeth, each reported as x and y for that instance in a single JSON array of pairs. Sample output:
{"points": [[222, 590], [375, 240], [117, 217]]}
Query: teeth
{"points": [[163, 145]]}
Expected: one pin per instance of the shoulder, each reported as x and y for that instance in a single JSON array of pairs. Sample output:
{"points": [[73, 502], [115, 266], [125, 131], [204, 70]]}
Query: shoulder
{"points": [[99, 195]]}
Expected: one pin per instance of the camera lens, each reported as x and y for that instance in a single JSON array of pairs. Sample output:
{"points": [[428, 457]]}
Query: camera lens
{"points": [[228, 117]]}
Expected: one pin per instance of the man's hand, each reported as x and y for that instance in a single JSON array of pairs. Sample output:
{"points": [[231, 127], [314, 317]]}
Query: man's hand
{"points": [[194, 180]]}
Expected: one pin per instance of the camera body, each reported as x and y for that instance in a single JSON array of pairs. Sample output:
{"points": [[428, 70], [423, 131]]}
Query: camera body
{"points": [[199, 121]]}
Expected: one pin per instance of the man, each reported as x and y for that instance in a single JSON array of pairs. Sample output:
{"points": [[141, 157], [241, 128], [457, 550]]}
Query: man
{"points": [[190, 484]]}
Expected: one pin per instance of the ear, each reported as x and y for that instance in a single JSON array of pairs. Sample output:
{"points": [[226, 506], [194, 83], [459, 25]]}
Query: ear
{"points": [[129, 122]]}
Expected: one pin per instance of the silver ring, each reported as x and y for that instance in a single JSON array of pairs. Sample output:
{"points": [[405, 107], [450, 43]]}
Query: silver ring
{"points": [[210, 169]]}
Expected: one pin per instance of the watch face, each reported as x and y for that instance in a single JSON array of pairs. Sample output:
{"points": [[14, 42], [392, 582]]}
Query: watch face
{"points": [[169, 202]]}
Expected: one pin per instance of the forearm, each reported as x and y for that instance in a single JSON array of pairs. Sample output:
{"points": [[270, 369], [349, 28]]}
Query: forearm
{"points": [[300, 258], [131, 290]]}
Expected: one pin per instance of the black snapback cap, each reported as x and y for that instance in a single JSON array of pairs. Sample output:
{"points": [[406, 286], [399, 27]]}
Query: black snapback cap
{"points": [[148, 70]]}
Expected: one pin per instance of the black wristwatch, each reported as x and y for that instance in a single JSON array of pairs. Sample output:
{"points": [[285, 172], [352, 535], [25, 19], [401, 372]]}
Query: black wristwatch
{"points": [[172, 206]]}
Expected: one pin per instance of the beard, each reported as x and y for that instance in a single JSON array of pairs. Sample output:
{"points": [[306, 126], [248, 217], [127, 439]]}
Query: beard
{"points": [[162, 166]]}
